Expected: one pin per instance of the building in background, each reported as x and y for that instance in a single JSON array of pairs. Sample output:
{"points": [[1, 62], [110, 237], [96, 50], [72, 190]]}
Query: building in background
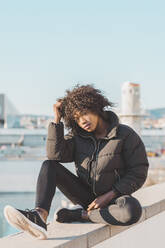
{"points": [[7, 110], [130, 106]]}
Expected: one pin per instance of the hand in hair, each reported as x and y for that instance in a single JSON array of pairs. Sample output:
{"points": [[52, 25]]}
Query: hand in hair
{"points": [[57, 113]]}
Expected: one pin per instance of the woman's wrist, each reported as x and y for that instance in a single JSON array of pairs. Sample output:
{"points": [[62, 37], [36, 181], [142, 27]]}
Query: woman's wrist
{"points": [[57, 120], [112, 194]]}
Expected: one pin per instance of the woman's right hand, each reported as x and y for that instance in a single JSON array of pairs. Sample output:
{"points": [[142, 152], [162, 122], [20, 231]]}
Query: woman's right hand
{"points": [[57, 113]]}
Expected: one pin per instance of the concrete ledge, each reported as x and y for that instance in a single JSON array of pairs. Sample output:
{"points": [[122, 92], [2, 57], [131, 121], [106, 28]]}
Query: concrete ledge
{"points": [[88, 235]]}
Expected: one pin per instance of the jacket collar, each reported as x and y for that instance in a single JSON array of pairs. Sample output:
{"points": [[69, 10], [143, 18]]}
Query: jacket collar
{"points": [[114, 123], [113, 120]]}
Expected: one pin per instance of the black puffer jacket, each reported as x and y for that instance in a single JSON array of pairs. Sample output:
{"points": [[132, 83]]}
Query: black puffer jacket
{"points": [[117, 161]]}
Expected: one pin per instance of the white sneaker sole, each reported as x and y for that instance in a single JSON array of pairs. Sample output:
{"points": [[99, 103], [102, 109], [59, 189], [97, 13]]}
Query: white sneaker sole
{"points": [[18, 220]]}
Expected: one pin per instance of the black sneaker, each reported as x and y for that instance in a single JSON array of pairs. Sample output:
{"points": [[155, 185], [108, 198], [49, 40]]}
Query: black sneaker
{"points": [[28, 221], [65, 215]]}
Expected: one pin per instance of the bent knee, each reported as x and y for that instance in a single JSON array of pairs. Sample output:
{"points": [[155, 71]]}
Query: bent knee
{"points": [[49, 164], [133, 210]]}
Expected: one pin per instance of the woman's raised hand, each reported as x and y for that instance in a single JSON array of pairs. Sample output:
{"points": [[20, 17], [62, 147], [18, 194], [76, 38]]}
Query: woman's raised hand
{"points": [[57, 113]]}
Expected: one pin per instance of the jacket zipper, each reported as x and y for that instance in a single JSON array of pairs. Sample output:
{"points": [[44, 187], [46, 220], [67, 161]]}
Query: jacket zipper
{"points": [[95, 154], [117, 174], [92, 158], [96, 162]]}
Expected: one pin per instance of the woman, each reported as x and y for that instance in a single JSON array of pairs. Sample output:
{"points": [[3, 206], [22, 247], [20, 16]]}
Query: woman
{"points": [[110, 161]]}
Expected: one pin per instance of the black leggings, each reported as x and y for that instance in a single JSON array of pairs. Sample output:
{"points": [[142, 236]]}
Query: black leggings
{"points": [[124, 210]]}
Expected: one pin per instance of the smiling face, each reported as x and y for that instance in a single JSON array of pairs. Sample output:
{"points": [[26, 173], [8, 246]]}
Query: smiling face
{"points": [[87, 120]]}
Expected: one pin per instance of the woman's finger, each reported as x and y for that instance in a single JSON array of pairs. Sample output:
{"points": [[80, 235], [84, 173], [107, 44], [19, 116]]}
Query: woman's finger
{"points": [[91, 206]]}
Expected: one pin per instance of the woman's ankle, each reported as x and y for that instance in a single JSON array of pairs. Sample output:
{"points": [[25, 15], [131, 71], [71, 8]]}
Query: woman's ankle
{"points": [[43, 213]]}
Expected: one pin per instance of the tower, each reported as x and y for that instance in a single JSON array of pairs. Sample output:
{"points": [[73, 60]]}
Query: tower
{"points": [[130, 106]]}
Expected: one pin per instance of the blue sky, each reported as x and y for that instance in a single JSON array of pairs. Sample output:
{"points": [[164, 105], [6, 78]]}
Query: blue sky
{"points": [[49, 46]]}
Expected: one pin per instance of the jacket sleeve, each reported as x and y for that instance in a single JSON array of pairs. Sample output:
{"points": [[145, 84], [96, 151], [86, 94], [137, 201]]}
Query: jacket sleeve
{"points": [[136, 164], [58, 146]]}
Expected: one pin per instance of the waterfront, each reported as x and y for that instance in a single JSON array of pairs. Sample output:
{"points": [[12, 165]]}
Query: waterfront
{"points": [[17, 188], [23, 200], [30, 144]]}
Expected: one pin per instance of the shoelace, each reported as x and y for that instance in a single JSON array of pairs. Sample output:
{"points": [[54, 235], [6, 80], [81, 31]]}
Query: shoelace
{"points": [[30, 211], [30, 215]]}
